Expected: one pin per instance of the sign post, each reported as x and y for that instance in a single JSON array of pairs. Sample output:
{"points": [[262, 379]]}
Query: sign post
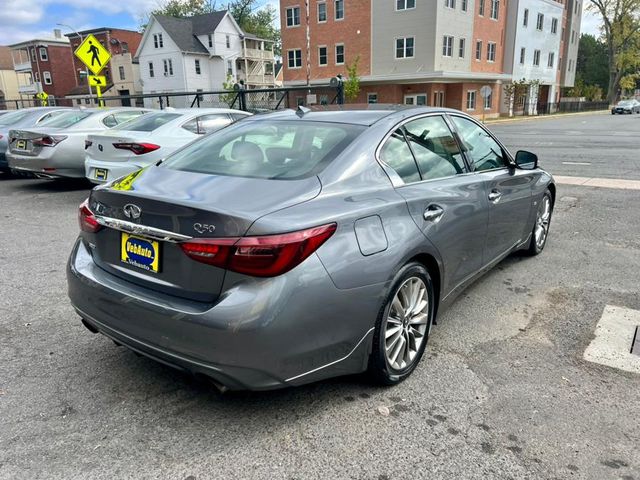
{"points": [[95, 57], [485, 92]]}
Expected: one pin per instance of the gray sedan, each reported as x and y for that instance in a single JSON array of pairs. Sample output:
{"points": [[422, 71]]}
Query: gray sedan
{"points": [[296, 246]]}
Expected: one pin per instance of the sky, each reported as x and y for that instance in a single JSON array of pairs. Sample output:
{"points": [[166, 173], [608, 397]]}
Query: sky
{"points": [[22, 20]]}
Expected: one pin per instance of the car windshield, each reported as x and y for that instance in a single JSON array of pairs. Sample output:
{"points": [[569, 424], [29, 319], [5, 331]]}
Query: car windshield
{"points": [[66, 119], [147, 123], [281, 149], [14, 117], [626, 103]]}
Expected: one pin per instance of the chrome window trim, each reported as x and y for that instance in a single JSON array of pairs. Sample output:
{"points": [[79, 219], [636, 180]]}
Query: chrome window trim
{"points": [[137, 229]]}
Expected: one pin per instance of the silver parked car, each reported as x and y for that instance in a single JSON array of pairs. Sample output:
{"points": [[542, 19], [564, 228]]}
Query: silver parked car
{"points": [[626, 106], [24, 118], [296, 246], [56, 147], [133, 145]]}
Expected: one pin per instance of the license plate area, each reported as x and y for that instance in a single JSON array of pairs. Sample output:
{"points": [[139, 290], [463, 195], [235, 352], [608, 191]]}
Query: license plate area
{"points": [[21, 144], [101, 174], [140, 252]]}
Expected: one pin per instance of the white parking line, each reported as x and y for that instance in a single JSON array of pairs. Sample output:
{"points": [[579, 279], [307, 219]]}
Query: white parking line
{"points": [[576, 163], [598, 182], [613, 336]]}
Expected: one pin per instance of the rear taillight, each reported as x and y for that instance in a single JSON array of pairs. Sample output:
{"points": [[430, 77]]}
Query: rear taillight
{"points": [[265, 256], [86, 218], [48, 140], [137, 148]]}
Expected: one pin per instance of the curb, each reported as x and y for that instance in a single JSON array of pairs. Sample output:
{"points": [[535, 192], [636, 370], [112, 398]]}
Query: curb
{"points": [[541, 117]]}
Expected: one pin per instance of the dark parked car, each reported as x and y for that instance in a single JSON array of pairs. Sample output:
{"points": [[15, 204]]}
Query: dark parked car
{"points": [[296, 246], [626, 106]]}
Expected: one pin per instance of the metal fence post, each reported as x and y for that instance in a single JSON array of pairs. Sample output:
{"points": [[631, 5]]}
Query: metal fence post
{"points": [[340, 88], [161, 102]]}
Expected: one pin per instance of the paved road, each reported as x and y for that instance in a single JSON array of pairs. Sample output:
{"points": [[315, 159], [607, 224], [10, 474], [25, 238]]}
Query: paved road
{"points": [[609, 144], [502, 393]]}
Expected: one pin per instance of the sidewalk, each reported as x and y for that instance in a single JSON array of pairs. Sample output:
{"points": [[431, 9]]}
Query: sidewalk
{"points": [[539, 117]]}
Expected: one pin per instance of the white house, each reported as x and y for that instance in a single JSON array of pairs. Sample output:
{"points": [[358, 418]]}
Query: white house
{"points": [[198, 54]]}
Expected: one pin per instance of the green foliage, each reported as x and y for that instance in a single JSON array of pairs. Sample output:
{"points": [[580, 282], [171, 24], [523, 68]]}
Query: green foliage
{"points": [[228, 84], [592, 67], [259, 21], [352, 83], [592, 93], [184, 8], [517, 88], [628, 82]]}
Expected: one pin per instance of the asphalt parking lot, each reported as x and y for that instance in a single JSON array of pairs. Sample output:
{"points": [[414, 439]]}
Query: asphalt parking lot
{"points": [[502, 392]]}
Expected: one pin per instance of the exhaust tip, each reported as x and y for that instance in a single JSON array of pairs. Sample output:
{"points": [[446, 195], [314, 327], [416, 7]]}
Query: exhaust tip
{"points": [[89, 327]]}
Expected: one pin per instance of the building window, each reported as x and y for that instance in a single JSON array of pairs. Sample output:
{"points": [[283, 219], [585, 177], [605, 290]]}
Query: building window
{"points": [[479, 50], [197, 64], [447, 46], [570, 65], [228, 40], [32, 54], [523, 53], [43, 54], [46, 76], [554, 25], [471, 99], [540, 22], [404, 47], [339, 54], [372, 98], [323, 57], [157, 40], [339, 9], [573, 36], [495, 9], [491, 52], [168, 67], [551, 60], [322, 12], [210, 40], [525, 18], [461, 47], [464, 5], [36, 76], [438, 99], [151, 74], [450, 3], [293, 16], [295, 58], [536, 58], [121, 72], [481, 8], [405, 4], [487, 101], [229, 68]]}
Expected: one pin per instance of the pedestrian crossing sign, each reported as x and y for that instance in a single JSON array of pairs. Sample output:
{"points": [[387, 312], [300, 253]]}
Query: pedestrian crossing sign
{"points": [[93, 54], [97, 80]]}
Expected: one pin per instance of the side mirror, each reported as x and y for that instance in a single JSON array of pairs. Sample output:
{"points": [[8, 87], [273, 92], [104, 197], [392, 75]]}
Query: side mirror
{"points": [[526, 160]]}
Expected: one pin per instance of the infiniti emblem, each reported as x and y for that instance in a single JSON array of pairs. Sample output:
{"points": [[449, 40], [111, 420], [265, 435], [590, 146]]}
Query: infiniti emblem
{"points": [[131, 211]]}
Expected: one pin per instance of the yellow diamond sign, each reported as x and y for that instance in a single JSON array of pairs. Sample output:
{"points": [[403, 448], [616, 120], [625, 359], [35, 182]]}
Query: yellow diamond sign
{"points": [[93, 54]]}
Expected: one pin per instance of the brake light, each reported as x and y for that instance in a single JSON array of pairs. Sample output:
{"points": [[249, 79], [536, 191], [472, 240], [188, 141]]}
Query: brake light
{"points": [[264, 256], [86, 218], [137, 148], [48, 140]]}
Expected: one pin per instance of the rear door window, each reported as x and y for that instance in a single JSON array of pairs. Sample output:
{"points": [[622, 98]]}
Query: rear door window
{"points": [[396, 154], [207, 123]]}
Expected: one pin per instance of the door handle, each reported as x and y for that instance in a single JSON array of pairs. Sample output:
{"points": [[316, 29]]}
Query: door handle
{"points": [[494, 196], [433, 213]]}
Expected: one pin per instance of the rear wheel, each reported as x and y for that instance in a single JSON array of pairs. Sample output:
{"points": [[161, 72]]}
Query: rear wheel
{"points": [[403, 325], [541, 226]]}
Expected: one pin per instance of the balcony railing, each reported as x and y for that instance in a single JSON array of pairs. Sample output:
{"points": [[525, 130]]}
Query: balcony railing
{"points": [[22, 66], [29, 89], [258, 54], [256, 79]]}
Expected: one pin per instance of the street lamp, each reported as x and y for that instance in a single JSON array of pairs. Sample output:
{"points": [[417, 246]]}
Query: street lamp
{"points": [[72, 57]]}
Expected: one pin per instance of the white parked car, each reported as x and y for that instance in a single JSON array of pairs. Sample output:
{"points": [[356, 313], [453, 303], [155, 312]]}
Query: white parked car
{"points": [[55, 148], [144, 141]]}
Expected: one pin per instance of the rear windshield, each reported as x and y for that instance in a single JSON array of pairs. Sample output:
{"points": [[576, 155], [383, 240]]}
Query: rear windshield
{"points": [[13, 117], [282, 150], [147, 123], [66, 119]]}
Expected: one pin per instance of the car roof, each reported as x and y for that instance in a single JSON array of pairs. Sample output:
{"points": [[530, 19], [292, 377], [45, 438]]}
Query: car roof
{"points": [[196, 111], [356, 114]]}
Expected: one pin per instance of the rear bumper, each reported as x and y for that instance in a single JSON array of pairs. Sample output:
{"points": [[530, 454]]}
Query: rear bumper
{"points": [[49, 166], [115, 170], [260, 334]]}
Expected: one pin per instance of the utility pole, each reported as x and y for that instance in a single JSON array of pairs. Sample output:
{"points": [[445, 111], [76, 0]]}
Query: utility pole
{"points": [[308, 31]]}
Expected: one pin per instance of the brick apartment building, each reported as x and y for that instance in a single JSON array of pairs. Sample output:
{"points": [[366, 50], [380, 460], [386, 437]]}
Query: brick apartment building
{"points": [[122, 74], [44, 65], [425, 52]]}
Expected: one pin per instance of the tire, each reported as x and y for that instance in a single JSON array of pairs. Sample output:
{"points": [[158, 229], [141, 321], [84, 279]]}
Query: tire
{"points": [[540, 232], [412, 329]]}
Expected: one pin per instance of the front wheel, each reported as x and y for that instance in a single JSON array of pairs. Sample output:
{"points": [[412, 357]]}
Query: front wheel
{"points": [[541, 226], [402, 326]]}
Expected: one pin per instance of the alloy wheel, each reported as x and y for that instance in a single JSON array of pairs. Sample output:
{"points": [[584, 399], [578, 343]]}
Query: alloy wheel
{"points": [[406, 323], [542, 222]]}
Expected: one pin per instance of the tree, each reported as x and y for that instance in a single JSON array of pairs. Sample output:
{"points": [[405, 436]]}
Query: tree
{"points": [[592, 68], [621, 27], [352, 83], [185, 8], [256, 20]]}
